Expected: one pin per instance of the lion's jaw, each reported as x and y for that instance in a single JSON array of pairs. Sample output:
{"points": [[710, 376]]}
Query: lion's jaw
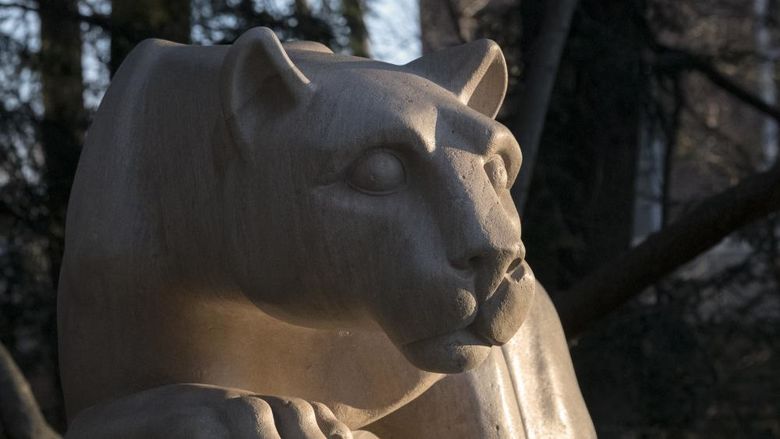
{"points": [[493, 325]]}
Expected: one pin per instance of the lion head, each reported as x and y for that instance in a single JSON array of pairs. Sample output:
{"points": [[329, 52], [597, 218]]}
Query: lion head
{"points": [[380, 194]]}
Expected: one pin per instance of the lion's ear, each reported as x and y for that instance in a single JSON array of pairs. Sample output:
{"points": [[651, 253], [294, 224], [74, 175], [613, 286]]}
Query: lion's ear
{"points": [[474, 72], [257, 65]]}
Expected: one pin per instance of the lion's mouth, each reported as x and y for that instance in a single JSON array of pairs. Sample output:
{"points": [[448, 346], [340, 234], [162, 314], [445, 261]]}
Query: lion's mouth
{"points": [[454, 352], [500, 315], [497, 320], [503, 312]]}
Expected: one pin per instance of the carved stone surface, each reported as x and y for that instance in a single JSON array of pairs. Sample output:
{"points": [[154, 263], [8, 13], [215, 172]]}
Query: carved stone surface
{"points": [[269, 240]]}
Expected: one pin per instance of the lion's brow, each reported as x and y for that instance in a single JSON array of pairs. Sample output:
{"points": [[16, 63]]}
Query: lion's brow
{"points": [[410, 136], [483, 135]]}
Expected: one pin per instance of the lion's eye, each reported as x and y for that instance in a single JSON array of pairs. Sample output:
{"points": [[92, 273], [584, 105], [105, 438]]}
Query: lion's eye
{"points": [[378, 173], [496, 172]]}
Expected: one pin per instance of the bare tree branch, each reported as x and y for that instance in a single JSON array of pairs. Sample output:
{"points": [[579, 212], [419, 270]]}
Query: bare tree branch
{"points": [[676, 59], [94, 19], [21, 6], [713, 219], [736, 90], [20, 416]]}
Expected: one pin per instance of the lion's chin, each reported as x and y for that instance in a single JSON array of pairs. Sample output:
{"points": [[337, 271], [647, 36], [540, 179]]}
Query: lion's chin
{"points": [[455, 352]]}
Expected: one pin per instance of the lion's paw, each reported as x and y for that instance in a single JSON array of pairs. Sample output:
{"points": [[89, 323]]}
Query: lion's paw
{"points": [[191, 411], [272, 417]]}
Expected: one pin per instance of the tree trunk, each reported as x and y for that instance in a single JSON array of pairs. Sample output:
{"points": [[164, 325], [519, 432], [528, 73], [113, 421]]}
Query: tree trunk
{"points": [[137, 20], [354, 13], [534, 99], [766, 77], [445, 23], [64, 119], [302, 7], [61, 134], [580, 210]]}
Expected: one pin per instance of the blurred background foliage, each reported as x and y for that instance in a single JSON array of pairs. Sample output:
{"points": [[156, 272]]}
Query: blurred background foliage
{"points": [[648, 199]]}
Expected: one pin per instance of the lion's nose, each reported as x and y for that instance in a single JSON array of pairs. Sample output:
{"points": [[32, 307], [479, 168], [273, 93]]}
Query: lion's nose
{"points": [[489, 262], [488, 256], [492, 244], [486, 246], [487, 266], [504, 259], [514, 264], [481, 226]]}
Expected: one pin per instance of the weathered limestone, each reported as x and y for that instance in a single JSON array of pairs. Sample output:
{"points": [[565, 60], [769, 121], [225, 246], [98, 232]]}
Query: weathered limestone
{"points": [[276, 241]]}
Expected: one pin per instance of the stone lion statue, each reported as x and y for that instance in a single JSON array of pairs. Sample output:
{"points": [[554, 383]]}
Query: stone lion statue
{"points": [[275, 241]]}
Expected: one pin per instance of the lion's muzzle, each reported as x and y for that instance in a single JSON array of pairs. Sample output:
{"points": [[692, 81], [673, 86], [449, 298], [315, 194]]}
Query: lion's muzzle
{"points": [[503, 312]]}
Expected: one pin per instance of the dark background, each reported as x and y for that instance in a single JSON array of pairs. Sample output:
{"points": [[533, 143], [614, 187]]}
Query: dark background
{"points": [[648, 195]]}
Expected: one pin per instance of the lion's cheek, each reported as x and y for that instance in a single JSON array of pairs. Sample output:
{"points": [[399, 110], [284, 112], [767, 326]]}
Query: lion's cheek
{"points": [[502, 314], [431, 309]]}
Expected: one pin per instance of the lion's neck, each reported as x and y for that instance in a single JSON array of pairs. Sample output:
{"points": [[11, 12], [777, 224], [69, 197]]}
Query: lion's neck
{"points": [[207, 338], [360, 374]]}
